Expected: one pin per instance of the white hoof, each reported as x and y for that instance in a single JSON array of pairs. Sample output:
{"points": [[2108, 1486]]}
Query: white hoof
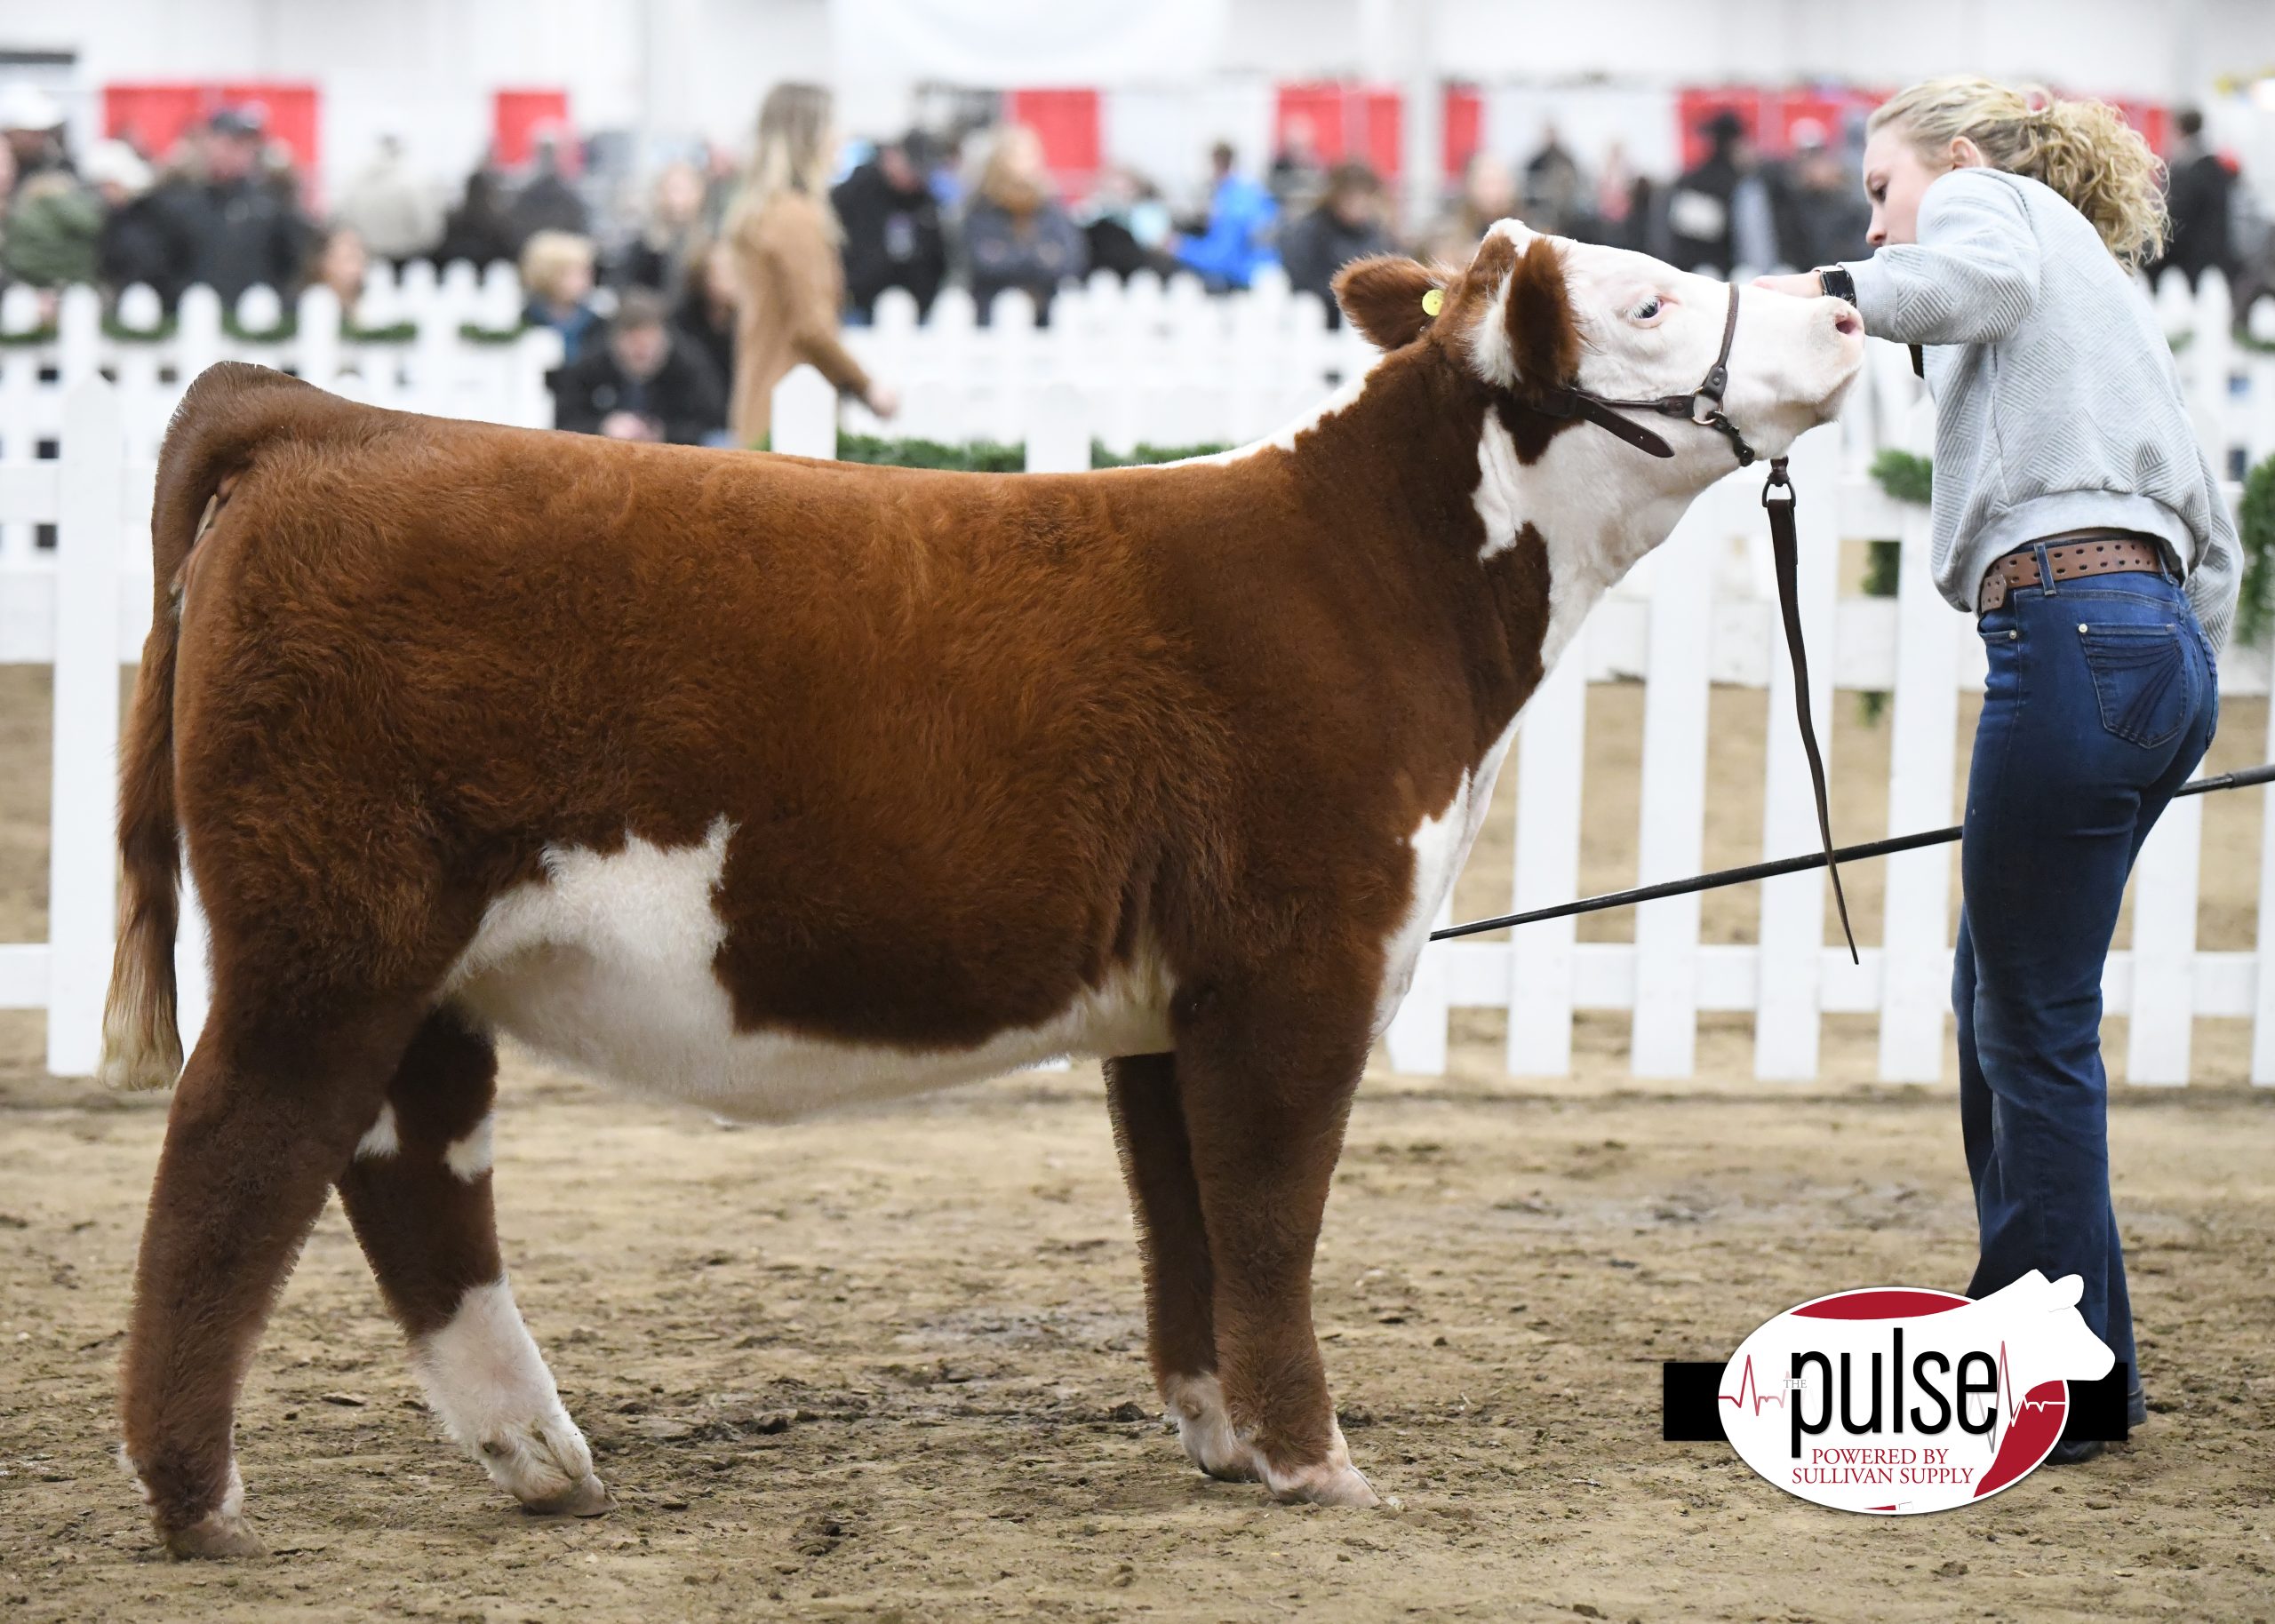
{"points": [[220, 1533], [215, 1537], [588, 1497], [1197, 1404], [545, 1464], [1331, 1481]]}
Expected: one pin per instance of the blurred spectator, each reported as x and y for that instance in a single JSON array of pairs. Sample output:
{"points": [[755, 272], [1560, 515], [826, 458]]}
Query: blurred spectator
{"points": [[341, 263], [1823, 213], [226, 223], [1754, 204], [133, 246], [1297, 176], [557, 276], [892, 227], [31, 121], [790, 281], [1016, 233], [1346, 224], [392, 209], [478, 229], [705, 314], [1124, 223], [1236, 240], [658, 257], [50, 235], [643, 384], [1552, 189], [1616, 184], [2200, 199], [1699, 207], [546, 201], [1488, 193]]}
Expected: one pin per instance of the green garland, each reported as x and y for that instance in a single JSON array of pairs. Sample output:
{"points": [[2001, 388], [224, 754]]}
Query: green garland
{"points": [[1905, 475], [2255, 529]]}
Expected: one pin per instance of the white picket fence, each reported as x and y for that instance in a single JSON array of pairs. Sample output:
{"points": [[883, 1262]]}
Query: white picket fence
{"points": [[439, 372], [1695, 614], [1150, 362]]}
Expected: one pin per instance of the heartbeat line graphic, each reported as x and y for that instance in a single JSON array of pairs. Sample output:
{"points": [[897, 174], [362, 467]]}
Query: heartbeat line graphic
{"points": [[1750, 1392], [1746, 1381], [2007, 1385]]}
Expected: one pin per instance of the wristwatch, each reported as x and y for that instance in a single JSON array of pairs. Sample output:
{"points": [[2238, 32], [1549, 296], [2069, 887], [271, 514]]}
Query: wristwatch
{"points": [[1837, 282]]}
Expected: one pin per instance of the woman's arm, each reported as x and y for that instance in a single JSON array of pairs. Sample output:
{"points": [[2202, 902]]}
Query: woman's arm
{"points": [[1971, 277]]}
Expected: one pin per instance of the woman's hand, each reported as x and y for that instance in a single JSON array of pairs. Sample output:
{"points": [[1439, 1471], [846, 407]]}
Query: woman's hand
{"points": [[1801, 284], [882, 399]]}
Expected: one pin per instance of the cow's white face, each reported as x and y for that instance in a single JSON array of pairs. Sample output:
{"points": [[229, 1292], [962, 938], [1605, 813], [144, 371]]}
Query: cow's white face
{"points": [[1647, 329]]}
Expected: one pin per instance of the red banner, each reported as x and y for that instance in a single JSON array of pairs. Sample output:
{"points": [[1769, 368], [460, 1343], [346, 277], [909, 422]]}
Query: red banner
{"points": [[1067, 120], [154, 118], [519, 118], [1465, 127], [1347, 121]]}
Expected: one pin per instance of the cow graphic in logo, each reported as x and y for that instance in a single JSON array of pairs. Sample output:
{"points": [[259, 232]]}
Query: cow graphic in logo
{"points": [[1898, 1400]]}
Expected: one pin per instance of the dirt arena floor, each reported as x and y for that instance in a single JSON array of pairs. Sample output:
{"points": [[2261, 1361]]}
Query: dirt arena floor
{"points": [[892, 1366]]}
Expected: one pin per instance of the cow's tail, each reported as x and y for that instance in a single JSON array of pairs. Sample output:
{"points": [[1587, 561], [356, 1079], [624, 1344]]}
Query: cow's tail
{"points": [[224, 415]]}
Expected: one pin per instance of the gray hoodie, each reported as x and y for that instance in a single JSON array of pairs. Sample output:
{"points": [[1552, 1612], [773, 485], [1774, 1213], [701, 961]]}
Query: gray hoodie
{"points": [[2058, 405]]}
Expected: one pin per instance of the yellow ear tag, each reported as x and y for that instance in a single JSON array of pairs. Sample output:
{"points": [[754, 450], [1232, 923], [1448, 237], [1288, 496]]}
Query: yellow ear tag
{"points": [[1434, 301]]}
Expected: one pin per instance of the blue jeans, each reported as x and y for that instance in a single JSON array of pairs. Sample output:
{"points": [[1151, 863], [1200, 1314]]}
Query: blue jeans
{"points": [[2101, 698]]}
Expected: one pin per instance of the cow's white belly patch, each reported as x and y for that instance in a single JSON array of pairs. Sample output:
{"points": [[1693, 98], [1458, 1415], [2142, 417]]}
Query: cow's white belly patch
{"points": [[607, 966]]}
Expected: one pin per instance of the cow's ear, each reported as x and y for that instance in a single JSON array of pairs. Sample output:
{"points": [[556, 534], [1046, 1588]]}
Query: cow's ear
{"points": [[1544, 335], [1389, 298]]}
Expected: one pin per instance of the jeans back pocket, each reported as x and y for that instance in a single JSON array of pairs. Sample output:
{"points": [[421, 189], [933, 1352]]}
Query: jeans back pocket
{"points": [[2141, 678]]}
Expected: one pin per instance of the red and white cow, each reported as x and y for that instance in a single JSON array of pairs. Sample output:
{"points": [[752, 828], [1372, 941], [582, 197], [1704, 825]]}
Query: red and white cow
{"points": [[772, 784]]}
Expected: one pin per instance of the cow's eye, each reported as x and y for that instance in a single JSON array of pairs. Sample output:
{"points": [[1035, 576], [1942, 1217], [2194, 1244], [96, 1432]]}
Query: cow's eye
{"points": [[1648, 309]]}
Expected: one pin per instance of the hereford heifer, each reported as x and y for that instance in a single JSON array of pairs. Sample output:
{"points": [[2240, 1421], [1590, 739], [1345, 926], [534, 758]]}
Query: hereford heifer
{"points": [[773, 784]]}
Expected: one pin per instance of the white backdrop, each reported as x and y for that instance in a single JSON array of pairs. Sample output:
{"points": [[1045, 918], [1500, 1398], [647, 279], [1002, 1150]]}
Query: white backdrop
{"points": [[1012, 44]]}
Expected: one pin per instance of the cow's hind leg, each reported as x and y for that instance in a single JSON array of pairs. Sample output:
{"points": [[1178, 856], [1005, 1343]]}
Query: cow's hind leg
{"points": [[1265, 1073], [1156, 1154], [260, 1122], [418, 1192]]}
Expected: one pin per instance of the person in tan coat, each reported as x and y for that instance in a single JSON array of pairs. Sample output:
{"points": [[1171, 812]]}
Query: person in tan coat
{"points": [[783, 236]]}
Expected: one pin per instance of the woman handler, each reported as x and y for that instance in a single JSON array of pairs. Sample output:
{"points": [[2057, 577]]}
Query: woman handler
{"points": [[2076, 516]]}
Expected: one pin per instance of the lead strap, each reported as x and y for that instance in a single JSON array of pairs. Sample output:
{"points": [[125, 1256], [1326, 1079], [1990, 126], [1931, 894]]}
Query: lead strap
{"points": [[1784, 544]]}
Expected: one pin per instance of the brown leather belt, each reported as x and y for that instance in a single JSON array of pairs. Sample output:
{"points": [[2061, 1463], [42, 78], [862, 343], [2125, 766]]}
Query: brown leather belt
{"points": [[2081, 552]]}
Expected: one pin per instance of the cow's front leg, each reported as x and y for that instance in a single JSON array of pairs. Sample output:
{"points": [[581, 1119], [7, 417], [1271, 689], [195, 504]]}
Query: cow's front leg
{"points": [[1156, 1154], [1265, 1075]]}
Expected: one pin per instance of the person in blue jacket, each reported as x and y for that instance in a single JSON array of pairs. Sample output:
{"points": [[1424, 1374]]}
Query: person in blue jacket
{"points": [[1237, 242]]}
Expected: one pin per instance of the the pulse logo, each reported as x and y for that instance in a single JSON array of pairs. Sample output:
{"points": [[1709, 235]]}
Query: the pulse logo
{"points": [[1897, 1400]]}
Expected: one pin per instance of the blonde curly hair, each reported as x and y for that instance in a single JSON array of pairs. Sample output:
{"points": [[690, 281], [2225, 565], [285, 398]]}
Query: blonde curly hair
{"points": [[2085, 150]]}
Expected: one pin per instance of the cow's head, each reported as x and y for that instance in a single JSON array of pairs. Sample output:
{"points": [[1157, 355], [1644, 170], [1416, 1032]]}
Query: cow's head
{"points": [[1532, 317], [1531, 313]]}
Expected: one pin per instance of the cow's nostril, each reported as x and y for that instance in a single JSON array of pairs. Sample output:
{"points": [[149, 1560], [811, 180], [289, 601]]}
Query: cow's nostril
{"points": [[1844, 323]]}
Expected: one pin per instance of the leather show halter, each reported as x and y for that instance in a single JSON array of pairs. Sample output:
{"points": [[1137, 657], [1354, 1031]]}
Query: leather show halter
{"points": [[1704, 406]]}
